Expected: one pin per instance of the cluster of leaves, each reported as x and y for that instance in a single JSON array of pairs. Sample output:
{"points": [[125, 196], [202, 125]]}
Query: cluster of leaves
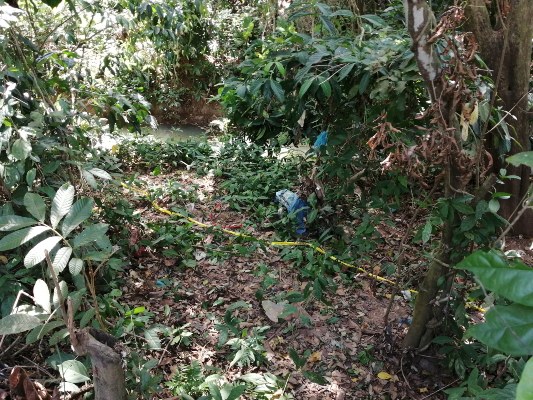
{"points": [[294, 85], [247, 346], [44, 141], [250, 179], [506, 326], [58, 239], [505, 330], [191, 382], [169, 44], [47, 138], [477, 223], [173, 52], [147, 152]]}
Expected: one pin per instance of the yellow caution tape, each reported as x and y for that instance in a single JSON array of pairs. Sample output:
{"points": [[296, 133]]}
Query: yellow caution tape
{"points": [[318, 249]]}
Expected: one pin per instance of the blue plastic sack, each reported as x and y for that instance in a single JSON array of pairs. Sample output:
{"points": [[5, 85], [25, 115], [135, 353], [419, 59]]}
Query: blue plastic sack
{"points": [[293, 203], [321, 140]]}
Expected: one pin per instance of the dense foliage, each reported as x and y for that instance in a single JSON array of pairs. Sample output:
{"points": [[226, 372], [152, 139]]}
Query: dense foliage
{"points": [[73, 73], [294, 85]]}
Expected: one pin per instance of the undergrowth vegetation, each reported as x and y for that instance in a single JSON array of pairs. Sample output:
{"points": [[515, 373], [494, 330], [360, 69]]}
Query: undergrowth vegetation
{"points": [[397, 197]]}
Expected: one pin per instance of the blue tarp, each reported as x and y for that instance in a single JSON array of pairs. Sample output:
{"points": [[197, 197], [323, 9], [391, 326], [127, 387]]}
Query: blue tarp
{"points": [[321, 140], [293, 203]]}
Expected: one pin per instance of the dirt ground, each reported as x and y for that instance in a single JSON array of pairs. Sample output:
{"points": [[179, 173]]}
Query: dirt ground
{"points": [[347, 340], [350, 346]]}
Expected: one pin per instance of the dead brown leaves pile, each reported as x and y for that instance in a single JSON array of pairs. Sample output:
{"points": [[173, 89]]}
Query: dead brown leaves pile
{"points": [[440, 143], [23, 388]]}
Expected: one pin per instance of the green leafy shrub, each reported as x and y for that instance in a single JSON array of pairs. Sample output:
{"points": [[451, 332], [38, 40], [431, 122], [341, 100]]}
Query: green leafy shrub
{"points": [[152, 153], [51, 233], [189, 381], [507, 323], [294, 85]]}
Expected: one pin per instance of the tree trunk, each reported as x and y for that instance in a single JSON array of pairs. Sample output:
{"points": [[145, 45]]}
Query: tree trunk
{"points": [[108, 375], [505, 45], [422, 328], [420, 23]]}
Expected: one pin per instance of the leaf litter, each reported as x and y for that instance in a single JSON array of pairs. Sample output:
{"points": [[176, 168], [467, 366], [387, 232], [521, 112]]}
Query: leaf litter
{"points": [[341, 343], [344, 340]]}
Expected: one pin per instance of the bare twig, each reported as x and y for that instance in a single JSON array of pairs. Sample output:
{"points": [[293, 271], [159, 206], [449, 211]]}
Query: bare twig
{"points": [[401, 254], [60, 297], [85, 389], [523, 207], [403, 374], [440, 390], [90, 279], [17, 339]]}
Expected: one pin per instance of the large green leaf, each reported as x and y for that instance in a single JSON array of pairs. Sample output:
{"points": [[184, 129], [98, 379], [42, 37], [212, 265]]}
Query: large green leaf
{"points": [[15, 239], [342, 13], [306, 85], [61, 259], [58, 336], [17, 323], [277, 89], [41, 295], [363, 83], [525, 158], [87, 317], [326, 22], [280, 68], [35, 205], [508, 392], [316, 57], [524, 390], [507, 328], [73, 371], [89, 234], [37, 254], [40, 331], [100, 173], [63, 289], [426, 232], [462, 207], [152, 338], [89, 178], [298, 361], [80, 211], [230, 392], [75, 266], [345, 70], [30, 176], [493, 272], [378, 22], [12, 222], [315, 377], [62, 203], [260, 379], [326, 88], [21, 149]]}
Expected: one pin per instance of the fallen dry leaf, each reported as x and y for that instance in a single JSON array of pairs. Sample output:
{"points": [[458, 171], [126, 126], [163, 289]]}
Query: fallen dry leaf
{"points": [[273, 310], [384, 375], [169, 262], [316, 356]]}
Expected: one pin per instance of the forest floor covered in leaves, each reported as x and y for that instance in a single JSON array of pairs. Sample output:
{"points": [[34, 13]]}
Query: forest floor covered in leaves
{"points": [[343, 343], [210, 302]]}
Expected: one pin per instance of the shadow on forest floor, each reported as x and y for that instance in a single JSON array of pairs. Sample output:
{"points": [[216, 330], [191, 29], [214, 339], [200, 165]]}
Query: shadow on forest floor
{"points": [[342, 340]]}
